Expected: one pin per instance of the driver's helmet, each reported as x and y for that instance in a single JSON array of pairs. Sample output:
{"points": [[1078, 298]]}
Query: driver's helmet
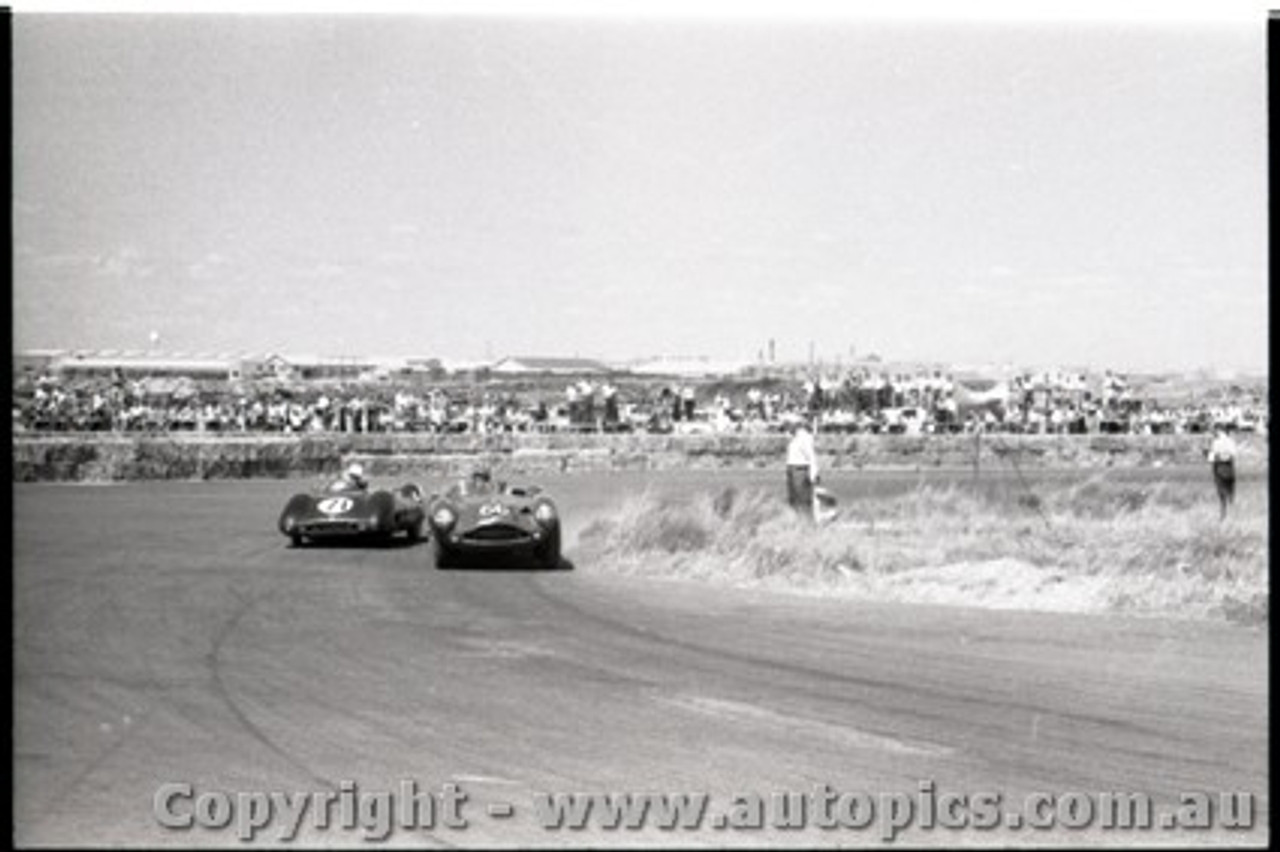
{"points": [[480, 480], [354, 474]]}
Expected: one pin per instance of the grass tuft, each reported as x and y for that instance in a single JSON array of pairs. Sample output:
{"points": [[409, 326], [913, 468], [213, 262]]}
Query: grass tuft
{"points": [[1094, 545]]}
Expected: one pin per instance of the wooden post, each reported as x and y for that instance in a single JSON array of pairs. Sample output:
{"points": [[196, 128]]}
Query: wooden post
{"points": [[977, 451]]}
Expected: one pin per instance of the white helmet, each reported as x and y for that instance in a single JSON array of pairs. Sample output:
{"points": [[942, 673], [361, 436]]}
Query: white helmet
{"points": [[355, 471]]}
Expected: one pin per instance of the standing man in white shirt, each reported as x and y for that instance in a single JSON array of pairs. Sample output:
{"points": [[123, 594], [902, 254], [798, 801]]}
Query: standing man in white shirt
{"points": [[802, 468], [1222, 458]]}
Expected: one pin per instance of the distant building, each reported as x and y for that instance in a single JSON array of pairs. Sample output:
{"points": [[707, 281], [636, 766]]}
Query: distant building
{"points": [[36, 361], [548, 366], [132, 365], [685, 366], [267, 366], [318, 367], [432, 367]]}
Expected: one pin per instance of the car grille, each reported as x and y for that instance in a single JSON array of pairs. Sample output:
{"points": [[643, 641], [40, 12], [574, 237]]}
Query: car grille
{"points": [[330, 527], [496, 532]]}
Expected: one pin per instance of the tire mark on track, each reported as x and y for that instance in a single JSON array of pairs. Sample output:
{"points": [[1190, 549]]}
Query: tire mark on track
{"points": [[760, 667], [148, 683], [511, 604], [802, 726], [60, 800], [810, 674], [420, 597], [213, 660]]}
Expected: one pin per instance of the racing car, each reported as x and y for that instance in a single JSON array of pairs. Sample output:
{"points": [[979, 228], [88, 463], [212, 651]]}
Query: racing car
{"points": [[340, 510], [486, 522]]}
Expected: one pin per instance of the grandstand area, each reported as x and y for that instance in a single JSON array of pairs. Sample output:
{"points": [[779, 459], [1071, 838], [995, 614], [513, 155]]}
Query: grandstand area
{"points": [[84, 391]]}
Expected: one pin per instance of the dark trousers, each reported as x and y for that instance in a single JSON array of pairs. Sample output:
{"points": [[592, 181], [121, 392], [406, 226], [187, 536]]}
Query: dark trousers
{"points": [[800, 489], [1224, 477]]}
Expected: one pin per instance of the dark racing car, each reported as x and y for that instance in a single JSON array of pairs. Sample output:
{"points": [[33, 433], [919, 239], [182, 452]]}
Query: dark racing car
{"points": [[485, 523], [349, 509]]}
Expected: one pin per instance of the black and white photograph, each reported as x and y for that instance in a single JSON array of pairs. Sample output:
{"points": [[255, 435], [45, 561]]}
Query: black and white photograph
{"points": [[793, 425]]}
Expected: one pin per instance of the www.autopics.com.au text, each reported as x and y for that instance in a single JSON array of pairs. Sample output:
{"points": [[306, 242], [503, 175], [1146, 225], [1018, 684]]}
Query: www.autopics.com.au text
{"points": [[375, 814]]}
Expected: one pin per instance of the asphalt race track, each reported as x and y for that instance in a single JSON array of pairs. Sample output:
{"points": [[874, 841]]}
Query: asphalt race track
{"points": [[166, 633]]}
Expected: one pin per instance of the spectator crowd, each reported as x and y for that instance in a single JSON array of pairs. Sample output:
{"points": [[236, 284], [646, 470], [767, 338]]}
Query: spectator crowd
{"points": [[856, 401]]}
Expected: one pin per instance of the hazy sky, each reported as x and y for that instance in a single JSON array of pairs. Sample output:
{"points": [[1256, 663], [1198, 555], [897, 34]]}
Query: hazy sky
{"points": [[1082, 192]]}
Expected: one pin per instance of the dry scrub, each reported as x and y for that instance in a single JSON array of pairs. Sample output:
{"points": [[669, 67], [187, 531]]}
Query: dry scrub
{"points": [[1091, 546]]}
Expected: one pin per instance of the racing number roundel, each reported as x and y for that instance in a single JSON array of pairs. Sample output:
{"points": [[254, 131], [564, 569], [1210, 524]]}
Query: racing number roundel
{"points": [[334, 505]]}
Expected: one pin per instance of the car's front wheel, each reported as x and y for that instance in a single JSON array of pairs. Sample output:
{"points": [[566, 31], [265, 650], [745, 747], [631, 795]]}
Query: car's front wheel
{"points": [[295, 540], [445, 558], [549, 553]]}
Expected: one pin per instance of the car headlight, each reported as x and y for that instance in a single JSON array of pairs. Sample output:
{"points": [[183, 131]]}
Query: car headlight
{"points": [[443, 517], [545, 513]]}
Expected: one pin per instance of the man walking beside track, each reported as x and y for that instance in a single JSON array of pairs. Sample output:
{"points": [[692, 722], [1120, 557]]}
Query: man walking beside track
{"points": [[802, 469], [1222, 456]]}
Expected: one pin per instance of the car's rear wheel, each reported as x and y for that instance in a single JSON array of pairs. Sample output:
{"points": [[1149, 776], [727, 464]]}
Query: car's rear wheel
{"points": [[414, 531]]}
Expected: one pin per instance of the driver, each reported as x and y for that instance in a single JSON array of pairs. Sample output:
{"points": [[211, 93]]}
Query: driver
{"points": [[481, 482], [353, 479]]}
